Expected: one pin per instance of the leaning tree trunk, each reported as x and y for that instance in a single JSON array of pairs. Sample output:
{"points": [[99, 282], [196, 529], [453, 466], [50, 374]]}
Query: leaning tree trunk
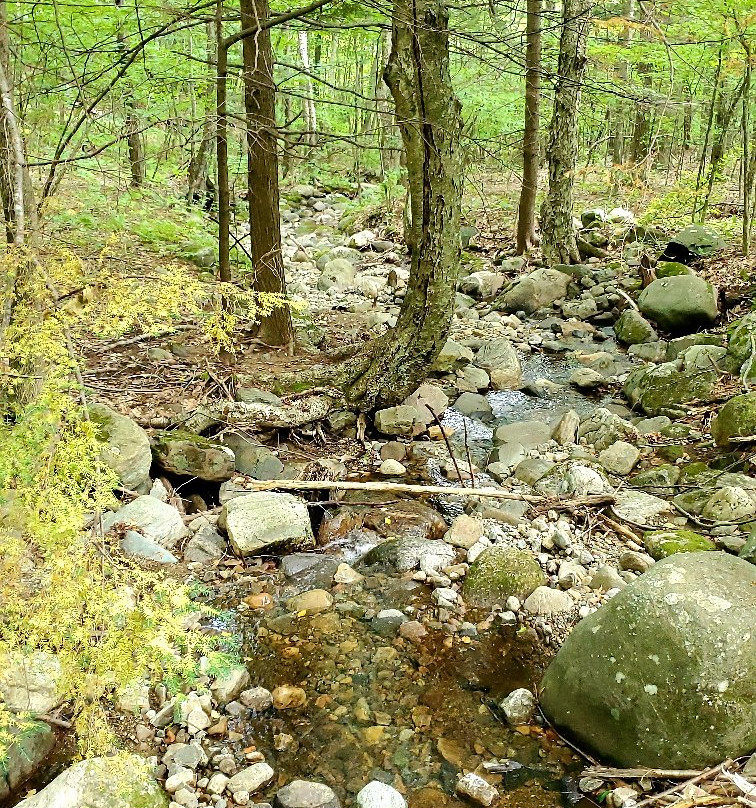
{"points": [[558, 240], [430, 122], [262, 170], [526, 225]]}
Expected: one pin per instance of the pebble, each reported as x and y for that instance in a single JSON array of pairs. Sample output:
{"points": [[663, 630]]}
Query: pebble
{"points": [[477, 789], [519, 707], [379, 795]]}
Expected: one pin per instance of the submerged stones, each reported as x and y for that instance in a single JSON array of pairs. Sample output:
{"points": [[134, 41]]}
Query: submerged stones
{"points": [[501, 572], [663, 674], [303, 794]]}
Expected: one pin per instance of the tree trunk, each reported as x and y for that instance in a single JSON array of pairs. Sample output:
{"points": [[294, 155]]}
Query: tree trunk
{"points": [[198, 173], [262, 170], [430, 122], [221, 150], [526, 225], [557, 234], [619, 110], [310, 115], [134, 139]]}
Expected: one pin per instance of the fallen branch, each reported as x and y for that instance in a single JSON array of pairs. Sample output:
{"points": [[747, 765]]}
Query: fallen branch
{"points": [[708, 774], [607, 773], [409, 488]]}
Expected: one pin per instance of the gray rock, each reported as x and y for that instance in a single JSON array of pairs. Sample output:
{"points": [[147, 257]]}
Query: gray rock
{"points": [[251, 779], [387, 622], [410, 552], [135, 544], [400, 420], [126, 447], [452, 356], [619, 458], [571, 574], [635, 561], [626, 685], [507, 456], [580, 309], [533, 469], [528, 434], [740, 347], [565, 432], [665, 388], [154, 519], [303, 794], [257, 699], [471, 379], [534, 291], [681, 303], [252, 459], [519, 707], [650, 426], [499, 358], [607, 578], [546, 601], [646, 509], [379, 795], [255, 395], [649, 351], [265, 522], [121, 782], [587, 379], [430, 401], [473, 405], [730, 504], [309, 570], [337, 274], [229, 685], [205, 544], [482, 284], [571, 479], [602, 428], [191, 455], [697, 240], [475, 788]]}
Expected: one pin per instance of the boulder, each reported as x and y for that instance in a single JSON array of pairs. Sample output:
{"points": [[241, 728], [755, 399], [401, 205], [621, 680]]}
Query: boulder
{"points": [[400, 420], [265, 522], [411, 552], [379, 795], [528, 434], [603, 427], [547, 601], [337, 274], [126, 447], [500, 572], [632, 328], [693, 241], [741, 347], [452, 356], [663, 543], [430, 402], [25, 746], [730, 504], [737, 419], [664, 389], [125, 781], [154, 519], [193, 456], [135, 544], [31, 683], [253, 459], [571, 479], [473, 405], [666, 269], [538, 289], [680, 304], [664, 674], [619, 458], [499, 358], [482, 284], [643, 508]]}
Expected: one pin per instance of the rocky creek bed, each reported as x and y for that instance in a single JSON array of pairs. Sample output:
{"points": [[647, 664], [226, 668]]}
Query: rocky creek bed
{"points": [[392, 648]]}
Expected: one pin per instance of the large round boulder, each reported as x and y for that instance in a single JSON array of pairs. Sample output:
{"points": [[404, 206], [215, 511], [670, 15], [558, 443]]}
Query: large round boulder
{"points": [[664, 674], [737, 419], [680, 304]]}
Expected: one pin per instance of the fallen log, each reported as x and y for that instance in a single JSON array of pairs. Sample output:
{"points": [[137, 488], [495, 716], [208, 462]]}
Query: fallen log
{"points": [[410, 488]]}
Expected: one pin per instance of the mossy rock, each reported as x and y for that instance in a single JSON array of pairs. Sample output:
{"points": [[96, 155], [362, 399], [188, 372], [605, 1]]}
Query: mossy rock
{"points": [[660, 477], [742, 345], [748, 551], [737, 419], [671, 454], [185, 453], [663, 543], [498, 573], [632, 328], [698, 473], [663, 389], [666, 269], [693, 501]]}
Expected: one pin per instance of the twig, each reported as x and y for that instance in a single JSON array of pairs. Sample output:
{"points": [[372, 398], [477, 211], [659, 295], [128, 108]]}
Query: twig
{"points": [[636, 774], [448, 445]]}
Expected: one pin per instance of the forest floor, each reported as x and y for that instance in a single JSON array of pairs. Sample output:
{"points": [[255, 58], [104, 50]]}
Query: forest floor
{"points": [[383, 664]]}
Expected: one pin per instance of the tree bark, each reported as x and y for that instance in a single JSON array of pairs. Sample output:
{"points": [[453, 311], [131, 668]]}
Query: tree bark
{"points": [[310, 115], [198, 173], [531, 144], [262, 170], [430, 123], [557, 234], [134, 139], [221, 151]]}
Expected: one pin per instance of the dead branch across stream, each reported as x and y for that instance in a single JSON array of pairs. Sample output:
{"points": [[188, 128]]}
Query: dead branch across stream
{"points": [[409, 488]]}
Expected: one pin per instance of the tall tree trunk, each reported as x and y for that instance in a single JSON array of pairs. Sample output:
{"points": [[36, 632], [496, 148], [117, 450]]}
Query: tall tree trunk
{"points": [[390, 150], [641, 141], [134, 138], [531, 144], [198, 173], [262, 170], [310, 115], [558, 240], [747, 178], [619, 110], [430, 122], [221, 150]]}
